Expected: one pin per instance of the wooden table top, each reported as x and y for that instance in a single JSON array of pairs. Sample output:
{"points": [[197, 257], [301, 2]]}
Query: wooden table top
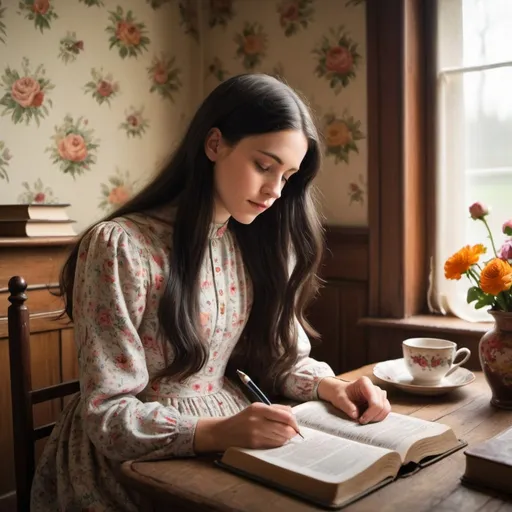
{"points": [[196, 484]]}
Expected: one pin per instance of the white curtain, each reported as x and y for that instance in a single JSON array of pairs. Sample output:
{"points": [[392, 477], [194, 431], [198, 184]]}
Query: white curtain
{"points": [[474, 161]]}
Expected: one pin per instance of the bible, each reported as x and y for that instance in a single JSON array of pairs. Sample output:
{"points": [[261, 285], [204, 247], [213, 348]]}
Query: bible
{"points": [[340, 460], [489, 464]]}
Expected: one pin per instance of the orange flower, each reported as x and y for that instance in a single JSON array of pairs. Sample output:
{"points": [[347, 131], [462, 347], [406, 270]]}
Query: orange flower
{"points": [[496, 277], [462, 261]]}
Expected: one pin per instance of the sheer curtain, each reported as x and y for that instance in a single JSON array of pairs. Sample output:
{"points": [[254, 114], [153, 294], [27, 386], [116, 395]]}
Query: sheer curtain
{"points": [[474, 161]]}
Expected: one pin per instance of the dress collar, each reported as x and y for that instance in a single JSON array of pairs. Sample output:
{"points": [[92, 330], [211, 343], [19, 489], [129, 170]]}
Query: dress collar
{"points": [[217, 229], [167, 214]]}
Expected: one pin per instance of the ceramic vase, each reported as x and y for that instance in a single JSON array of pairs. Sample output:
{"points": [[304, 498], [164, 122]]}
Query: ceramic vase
{"points": [[495, 351]]}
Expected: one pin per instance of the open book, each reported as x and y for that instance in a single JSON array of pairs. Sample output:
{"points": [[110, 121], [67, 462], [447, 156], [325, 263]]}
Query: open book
{"points": [[339, 459]]}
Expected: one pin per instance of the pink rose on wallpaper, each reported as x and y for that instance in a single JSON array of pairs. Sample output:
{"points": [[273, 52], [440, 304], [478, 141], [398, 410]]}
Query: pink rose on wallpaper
{"points": [[37, 193], [38, 99], [160, 75], [295, 15], [119, 195], [41, 6], [253, 44], [165, 76], [116, 191], [289, 12], [24, 90], [128, 33], [104, 88], [339, 60], [135, 124], [72, 148], [41, 12]]}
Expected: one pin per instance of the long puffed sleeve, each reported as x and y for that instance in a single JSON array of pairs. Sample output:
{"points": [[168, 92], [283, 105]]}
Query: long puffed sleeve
{"points": [[302, 382], [111, 283]]}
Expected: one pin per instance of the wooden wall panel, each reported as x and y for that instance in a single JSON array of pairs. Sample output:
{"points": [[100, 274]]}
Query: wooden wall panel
{"points": [[353, 306], [324, 317], [343, 300], [38, 261], [37, 264], [39, 301]]}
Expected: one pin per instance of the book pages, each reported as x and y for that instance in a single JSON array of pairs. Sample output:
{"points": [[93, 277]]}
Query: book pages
{"points": [[397, 432], [322, 456]]}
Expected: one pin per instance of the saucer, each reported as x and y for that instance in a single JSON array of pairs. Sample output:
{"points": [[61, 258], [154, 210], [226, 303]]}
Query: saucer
{"points": [[394, 372]]}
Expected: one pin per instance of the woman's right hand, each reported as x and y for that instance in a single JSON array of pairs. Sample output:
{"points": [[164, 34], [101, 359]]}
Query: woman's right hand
{"points": [[257, 426]]}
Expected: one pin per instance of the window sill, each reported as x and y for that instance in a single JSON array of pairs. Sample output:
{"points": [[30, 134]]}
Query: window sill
{"points": [[430, 323]]}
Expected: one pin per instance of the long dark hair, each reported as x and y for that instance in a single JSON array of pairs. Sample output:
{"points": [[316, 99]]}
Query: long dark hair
{"points": [[241, 106]]}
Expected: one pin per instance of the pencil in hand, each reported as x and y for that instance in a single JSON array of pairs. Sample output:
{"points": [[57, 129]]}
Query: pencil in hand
{"points": [[257, 391]]}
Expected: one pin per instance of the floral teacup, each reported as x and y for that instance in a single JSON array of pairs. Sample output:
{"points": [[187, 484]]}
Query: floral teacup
{"points": [[428, 360]]}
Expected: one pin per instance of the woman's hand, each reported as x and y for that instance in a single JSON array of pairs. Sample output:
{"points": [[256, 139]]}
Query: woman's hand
{"points": [[359, 399], [257, 426]]}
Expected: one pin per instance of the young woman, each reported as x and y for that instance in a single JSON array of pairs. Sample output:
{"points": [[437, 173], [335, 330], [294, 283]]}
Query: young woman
{"points": [[208, 269]]}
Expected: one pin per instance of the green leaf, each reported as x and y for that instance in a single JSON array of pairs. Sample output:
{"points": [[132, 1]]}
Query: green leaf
{"points": [[17, 114], [485, 300], [474, 293]]}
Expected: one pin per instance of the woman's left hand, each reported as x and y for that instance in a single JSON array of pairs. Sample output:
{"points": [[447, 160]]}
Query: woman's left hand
{"points": [[359, 399]]}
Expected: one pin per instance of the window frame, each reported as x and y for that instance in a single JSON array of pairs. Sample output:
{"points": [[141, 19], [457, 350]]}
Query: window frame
{"points": [[401, 39]]}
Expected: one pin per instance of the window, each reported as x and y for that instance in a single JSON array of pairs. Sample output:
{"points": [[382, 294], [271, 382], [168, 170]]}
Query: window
{"points": [[474, 161]]}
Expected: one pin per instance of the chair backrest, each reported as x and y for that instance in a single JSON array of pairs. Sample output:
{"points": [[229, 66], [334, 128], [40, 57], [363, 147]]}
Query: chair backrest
{"points": [[22, 394]]}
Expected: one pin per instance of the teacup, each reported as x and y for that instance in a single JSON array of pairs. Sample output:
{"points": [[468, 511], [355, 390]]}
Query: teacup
{"points": [[429, 360]]}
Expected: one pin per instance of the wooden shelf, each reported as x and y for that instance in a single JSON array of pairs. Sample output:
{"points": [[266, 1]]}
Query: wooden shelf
{"points": [[37, 241]]}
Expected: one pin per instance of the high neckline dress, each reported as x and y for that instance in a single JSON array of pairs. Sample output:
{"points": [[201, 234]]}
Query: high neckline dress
{"points": [[124, 409]]}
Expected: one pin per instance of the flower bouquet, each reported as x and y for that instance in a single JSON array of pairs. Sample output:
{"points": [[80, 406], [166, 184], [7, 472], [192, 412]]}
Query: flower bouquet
{"points": [[492, 279], [492, 287]]}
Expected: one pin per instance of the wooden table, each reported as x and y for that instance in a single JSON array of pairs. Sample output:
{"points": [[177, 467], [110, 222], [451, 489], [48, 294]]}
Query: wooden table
{"points": [[196, 484]]}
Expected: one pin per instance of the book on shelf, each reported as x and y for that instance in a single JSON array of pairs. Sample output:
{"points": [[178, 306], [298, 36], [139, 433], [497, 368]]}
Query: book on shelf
{"points": [[36, 228], [489, 464], [34, 212], [340, 460]]}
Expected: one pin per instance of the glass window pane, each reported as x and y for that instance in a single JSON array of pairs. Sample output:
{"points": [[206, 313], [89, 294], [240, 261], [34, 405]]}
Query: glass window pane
{"points": [[487, 31]]}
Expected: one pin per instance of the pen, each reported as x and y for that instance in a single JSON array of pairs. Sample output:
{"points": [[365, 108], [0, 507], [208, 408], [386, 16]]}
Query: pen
{"points": [[257, 391]]}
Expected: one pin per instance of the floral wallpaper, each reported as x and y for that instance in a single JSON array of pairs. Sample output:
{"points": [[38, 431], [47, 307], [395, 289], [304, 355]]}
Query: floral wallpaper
{"points": [[95, 93], [318, 47]]}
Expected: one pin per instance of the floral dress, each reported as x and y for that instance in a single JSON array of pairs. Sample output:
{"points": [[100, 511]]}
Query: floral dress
{"points": [[124, 409]]}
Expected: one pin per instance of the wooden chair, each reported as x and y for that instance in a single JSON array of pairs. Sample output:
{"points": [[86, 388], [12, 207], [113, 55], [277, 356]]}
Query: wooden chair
{"points": [[22, 394]]}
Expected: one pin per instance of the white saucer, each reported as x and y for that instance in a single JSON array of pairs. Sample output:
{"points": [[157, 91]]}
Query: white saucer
{"points": [[394, 372]]}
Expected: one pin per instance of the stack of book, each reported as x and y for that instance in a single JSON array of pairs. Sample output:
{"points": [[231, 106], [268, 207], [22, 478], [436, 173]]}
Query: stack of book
{"points": [[35, 220]]}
